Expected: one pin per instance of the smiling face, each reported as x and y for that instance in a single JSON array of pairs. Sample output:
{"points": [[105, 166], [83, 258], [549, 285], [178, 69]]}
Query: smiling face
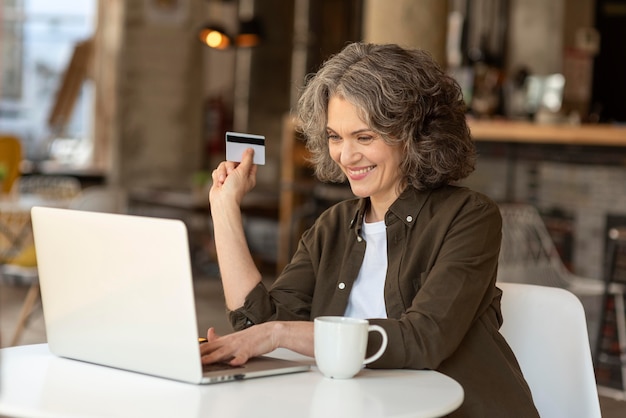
{"points": [[371, 165]]}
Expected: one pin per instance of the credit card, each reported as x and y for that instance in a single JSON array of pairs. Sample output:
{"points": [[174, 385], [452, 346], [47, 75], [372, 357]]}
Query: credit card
{"points": [[237, 143]]}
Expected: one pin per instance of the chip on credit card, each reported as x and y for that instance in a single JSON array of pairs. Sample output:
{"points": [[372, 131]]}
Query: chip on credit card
{"points": [[237, 143]]}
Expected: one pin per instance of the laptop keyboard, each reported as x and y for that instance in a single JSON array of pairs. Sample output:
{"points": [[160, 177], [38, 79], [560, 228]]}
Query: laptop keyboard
{"points": [[214, 367]]}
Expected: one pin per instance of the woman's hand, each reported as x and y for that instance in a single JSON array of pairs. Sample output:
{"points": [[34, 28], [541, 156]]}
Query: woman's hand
{"points": [[234, 180], [237, 348]]}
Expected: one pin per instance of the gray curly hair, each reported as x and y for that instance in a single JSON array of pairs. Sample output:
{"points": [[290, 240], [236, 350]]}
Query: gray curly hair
{"points": [[405, 97]]}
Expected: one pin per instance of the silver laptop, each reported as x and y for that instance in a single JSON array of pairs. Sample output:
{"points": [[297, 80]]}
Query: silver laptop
{"points": [[117, 290]]}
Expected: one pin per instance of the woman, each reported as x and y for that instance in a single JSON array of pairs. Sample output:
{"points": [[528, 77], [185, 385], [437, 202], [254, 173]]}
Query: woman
{"points": [[412, 253]]}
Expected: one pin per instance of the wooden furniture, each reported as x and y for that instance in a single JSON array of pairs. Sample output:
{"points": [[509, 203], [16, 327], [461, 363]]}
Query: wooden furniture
{"points": [[37, 383], [296, 182], [532, 133]]}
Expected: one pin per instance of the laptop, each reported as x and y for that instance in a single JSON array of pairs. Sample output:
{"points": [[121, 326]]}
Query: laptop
{"points": [[117, 290]]}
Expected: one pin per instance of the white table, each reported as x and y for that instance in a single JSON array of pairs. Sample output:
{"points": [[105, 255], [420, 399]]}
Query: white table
{"points": [[35, 383]]}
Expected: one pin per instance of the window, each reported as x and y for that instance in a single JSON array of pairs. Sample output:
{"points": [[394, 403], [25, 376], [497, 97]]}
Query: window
{"points": [[37, 40]]}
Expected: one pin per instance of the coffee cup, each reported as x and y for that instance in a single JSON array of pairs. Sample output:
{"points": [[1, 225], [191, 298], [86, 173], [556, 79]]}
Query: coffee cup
{"points": [[340, 344]]}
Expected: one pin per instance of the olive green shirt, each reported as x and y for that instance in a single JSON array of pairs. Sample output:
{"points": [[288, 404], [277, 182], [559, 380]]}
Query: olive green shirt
{"points": [[443, 306]]}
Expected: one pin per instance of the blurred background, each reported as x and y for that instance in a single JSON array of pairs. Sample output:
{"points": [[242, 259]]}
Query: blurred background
{"points": [[148, 103]]}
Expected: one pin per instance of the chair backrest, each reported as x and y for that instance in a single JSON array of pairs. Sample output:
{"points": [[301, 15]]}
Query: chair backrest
{"points": [[527, 252], [10, 159], [547, 330]]}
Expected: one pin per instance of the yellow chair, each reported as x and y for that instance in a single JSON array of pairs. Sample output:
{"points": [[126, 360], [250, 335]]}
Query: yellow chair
{"points": [[10, 159]]}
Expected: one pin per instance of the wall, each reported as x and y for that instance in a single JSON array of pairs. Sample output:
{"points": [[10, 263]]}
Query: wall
{"points": [[159, 94], [535, 35], [269, 88], [412, 23]]}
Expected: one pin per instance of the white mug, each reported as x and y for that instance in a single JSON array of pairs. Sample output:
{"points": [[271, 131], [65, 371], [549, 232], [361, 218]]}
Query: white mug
{"points": [[340, 344]]}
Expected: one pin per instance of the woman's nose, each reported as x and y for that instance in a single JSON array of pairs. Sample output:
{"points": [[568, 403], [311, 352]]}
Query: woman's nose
{"points": [[349, 152]]}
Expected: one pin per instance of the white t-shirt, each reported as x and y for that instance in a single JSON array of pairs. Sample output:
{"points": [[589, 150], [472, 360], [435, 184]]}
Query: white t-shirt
{"points": [[367, 298]]}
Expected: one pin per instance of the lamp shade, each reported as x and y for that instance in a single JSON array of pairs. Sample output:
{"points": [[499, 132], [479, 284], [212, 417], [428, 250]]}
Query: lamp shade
{"points": [[250, 33]]}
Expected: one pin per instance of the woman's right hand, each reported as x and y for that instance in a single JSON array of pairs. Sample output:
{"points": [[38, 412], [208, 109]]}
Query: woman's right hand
{"points": [[233, 180]]}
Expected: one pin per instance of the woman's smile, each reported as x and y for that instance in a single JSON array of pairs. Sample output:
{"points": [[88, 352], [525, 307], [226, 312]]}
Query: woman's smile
{"points": [[359, 173]]}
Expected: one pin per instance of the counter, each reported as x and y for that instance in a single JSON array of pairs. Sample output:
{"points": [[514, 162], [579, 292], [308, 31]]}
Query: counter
{"points": [[532, 133]]}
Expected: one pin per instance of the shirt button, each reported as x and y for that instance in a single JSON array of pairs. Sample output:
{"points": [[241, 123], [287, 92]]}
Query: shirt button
{"points": [[409, 218], [342, 285]]}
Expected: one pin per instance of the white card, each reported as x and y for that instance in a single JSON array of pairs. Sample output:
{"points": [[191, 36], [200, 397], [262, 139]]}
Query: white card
{"points": [[237, 143]]}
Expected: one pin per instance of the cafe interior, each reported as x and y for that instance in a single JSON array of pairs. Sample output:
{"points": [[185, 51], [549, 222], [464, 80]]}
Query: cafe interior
{"points": [[122, 106]]}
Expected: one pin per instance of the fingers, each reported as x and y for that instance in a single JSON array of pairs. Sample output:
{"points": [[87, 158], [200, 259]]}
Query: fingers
{"points": [[226, 168], [222, 171], [214, 349], [246, 160], [211, 335], [239, 360], [236, 348], [218, 352], [211, 352]]}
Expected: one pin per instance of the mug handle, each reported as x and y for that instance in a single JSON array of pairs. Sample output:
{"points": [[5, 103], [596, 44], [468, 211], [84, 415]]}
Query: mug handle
{"points": [[383, 345]]}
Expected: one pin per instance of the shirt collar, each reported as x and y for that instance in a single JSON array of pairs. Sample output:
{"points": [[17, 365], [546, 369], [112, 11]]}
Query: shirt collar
{"points": [[406, 208]]}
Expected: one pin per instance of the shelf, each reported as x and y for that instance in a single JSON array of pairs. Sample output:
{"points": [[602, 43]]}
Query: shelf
{"points": [[560, 134]]}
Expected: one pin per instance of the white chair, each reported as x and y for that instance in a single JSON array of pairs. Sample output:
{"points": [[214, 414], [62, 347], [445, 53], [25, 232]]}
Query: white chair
{"points": [[546, 328]]}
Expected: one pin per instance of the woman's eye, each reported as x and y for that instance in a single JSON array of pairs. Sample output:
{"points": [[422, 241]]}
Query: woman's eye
{"points": [[366, 139], [333, 137]]}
